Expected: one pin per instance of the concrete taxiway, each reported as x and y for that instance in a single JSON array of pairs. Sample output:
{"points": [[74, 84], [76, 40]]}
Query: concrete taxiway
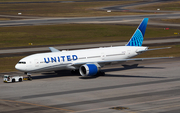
{"points": [[131, 19], [151, 87]]}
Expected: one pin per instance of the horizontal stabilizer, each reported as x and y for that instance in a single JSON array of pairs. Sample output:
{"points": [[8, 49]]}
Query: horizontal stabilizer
{"points": [[152, 49], [53, 49]]}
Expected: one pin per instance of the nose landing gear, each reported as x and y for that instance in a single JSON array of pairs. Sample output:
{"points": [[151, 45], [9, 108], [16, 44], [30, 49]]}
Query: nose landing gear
{"points": [[28, 76]]}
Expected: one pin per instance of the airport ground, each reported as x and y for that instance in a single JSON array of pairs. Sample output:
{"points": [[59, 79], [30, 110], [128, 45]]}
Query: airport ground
{"points": [[151, 87]]}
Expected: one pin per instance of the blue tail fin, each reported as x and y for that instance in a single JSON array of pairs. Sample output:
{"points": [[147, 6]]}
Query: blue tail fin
{"points": [[137, 38]]}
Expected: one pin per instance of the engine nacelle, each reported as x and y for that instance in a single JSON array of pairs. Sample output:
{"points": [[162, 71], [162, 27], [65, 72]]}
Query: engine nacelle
{"points": [[89, 69]]}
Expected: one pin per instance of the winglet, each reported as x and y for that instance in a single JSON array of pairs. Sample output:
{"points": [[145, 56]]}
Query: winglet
{"points": [[137, 38], [53, 49]]}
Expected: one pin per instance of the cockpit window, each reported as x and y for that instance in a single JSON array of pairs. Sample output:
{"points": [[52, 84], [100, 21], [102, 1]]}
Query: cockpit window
{"points": [[21, 62]]}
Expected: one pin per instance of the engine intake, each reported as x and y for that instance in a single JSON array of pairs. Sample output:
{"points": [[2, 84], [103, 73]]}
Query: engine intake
{"points": [[89, 69]]}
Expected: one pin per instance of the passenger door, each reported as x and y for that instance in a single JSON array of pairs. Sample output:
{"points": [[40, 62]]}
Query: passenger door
{"points": [[36, 63]]}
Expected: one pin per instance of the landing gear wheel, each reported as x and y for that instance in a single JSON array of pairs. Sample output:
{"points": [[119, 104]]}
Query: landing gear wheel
{"points": [[130, 66], [75, 72], [29, 77], [100, 73]]}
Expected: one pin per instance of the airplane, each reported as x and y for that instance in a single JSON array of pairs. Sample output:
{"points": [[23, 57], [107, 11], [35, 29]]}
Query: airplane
{"points": [[88, 62]]}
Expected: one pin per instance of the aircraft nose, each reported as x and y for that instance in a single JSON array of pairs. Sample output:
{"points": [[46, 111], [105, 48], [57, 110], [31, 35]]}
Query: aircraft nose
{"points": [[20, 67], [17, 67]]}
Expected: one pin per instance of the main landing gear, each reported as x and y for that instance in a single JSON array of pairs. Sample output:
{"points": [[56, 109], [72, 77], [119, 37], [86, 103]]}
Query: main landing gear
{"points": [[75, 72], [130, 66], [100, 73]]}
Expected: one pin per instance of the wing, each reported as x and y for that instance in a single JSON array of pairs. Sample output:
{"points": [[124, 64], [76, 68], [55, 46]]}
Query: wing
{"points": [[53, 49], [102, 63]]}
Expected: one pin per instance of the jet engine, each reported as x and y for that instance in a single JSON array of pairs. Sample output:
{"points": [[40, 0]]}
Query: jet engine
{"points": [[89, 69]]}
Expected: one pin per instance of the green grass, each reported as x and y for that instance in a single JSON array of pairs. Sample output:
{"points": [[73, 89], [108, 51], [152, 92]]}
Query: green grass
{"points": [[72, 34], [168, 6], [76, 9], [35, 0], [174, 21], [172, 52], [4, 19], [8, 63]]}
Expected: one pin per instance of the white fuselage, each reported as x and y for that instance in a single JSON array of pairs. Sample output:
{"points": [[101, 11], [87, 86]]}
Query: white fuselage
{"points": [[54, 61]]}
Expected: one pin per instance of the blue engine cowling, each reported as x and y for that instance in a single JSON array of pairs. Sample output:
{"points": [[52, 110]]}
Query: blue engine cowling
{"points": [[89, 69]]}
